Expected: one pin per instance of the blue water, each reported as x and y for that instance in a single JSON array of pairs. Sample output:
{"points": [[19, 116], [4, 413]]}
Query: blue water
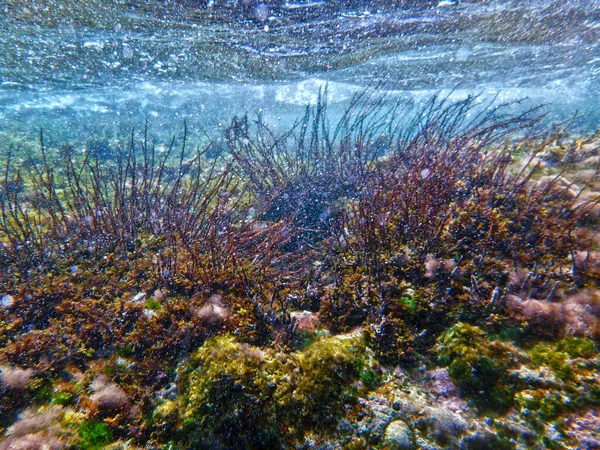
{"points": [[89, 67]]}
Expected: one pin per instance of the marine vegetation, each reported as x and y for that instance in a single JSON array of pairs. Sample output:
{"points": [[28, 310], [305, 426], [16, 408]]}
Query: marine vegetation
{"points": [[406, 276], [242, 396]]}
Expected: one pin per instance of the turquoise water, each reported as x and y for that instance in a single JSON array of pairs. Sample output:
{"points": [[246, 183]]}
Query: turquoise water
{"points": [[382, 281], [75, 68]]}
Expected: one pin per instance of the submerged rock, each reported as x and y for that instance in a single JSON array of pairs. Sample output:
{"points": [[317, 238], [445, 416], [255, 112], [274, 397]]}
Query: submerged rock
{"points": [[442, 425], [398, 436], [108, 396], [235, 394], [480, 367]]}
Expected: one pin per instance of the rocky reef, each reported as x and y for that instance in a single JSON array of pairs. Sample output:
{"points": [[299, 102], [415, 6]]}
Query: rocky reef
{"points": [[403, 279]]}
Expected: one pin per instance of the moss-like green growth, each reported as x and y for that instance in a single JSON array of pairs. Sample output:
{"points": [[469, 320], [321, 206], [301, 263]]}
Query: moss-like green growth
{"points": [[369, 378], [574, 363], [480, 367], [253, 398], [577, 347], [63, 398], [328, 369], [153, 305], [409, 304], [41, 388], [164, 422], [125, 350], [548, 355], [557, 356], [541, 403], [94, 434]]}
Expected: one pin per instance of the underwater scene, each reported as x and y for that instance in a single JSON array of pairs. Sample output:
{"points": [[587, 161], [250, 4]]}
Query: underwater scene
{"points": [[299, 224]]}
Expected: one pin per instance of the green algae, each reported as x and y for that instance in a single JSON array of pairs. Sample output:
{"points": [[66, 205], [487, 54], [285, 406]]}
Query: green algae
{"points": [[574, 361], [547, 354], [487, 370], [41, 388], [559, 356], [409, 304], [94, 434], [478, 366], [152, 304], [541, 404], [576, 347], [255, 398], [63, 398]]}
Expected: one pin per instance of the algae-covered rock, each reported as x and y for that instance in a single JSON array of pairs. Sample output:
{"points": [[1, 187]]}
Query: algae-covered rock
{"points": [[230, 390], [479, 366], [570, 383], [240, 396], [328, 367], [441, 425], [165, 417]]}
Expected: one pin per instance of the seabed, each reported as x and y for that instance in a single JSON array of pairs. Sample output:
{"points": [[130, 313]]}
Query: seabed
{"points": [[400, 279]]}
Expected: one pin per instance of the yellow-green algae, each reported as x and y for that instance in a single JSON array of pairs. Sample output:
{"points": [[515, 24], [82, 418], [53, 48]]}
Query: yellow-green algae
{"points": [[478, 366], [575, 365], [254, 398], [543, 384]]}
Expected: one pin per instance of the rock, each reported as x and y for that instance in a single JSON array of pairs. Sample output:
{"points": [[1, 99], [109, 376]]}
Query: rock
{"points": [[398, 436], [443, 425], [138, 298], [441, 383], [539, 376], [108, 396], [213, 311], [480, 440], [584, 427]]}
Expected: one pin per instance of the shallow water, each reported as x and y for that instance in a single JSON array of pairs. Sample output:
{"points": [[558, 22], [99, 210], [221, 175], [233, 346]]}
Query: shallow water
{"points": [[391, 281], [91, 66]]}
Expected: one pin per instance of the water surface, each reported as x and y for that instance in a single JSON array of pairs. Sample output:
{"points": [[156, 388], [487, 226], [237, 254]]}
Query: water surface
{"points": [[75, 67]]}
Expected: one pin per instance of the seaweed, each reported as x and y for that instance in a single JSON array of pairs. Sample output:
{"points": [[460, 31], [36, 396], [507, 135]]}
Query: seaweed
{"points": [[286, 264], [141, 200], [239, 395], [94, 434], [304, 173], [480, 367]]}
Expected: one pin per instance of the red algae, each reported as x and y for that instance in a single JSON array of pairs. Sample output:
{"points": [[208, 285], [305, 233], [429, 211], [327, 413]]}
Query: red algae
{"points": [[431, 281]]}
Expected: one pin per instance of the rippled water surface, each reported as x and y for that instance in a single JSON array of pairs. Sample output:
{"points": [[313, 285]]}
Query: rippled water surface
{"points": [[74, 66]]}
